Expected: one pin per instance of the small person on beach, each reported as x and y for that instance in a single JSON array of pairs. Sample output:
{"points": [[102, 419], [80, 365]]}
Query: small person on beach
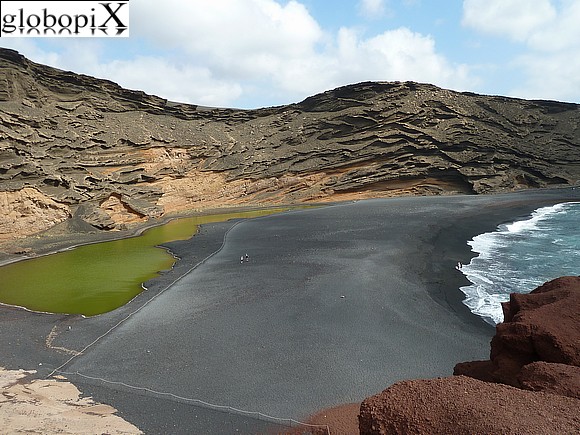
{"points": [[242, 259], [459, 265], [247, 257]]}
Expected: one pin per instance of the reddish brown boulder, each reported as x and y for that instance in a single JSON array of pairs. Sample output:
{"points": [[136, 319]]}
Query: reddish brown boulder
{"points": [[543, 325], [552, 378], [481, 370], [462, 405]]}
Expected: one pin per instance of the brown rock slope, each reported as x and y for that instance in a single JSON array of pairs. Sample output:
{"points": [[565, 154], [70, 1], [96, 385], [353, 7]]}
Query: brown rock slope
{"points": [[537, 349], [76, 146]]}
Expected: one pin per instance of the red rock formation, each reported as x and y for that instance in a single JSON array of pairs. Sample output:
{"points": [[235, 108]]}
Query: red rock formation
{"points": [[536, 348], [463, 405], [540, 326], [553, 378]]}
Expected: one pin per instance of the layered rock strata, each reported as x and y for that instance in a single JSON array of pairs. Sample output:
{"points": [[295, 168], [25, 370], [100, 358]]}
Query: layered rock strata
{"points": [[109, 156], [531, 384]]}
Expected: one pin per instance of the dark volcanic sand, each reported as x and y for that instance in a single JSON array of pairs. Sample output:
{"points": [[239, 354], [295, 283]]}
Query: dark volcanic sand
{"points": [[334, 304]]}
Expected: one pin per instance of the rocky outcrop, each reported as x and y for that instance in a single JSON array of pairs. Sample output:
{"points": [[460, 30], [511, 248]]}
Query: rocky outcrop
{"points": [[562, 379], [81, 141], [463, 405], [28, 211], [536, 351], [542, 326]]}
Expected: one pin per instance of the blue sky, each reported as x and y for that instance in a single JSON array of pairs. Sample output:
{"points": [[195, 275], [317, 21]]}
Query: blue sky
{"points": [[259, 53]]}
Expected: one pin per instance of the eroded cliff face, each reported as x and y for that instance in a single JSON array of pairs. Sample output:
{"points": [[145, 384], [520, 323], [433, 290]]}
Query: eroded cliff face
{"points": [[84, 143], [27, 210]]}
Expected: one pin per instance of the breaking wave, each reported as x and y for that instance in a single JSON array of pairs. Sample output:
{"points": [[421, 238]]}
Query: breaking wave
{"points": [[518, 257]]}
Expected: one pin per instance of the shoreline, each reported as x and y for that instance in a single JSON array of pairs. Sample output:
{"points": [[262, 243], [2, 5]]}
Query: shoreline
{"points": [[454, 238], [342, 418], [444, 246], [60, 238]]}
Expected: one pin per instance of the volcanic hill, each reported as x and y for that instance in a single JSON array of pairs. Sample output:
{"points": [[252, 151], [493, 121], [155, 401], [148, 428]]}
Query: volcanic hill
{"points": [[74, 148]]}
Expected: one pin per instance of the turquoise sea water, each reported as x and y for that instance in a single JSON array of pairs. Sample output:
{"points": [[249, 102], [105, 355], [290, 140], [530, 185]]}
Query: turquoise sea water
{"points": [[518, 257]]}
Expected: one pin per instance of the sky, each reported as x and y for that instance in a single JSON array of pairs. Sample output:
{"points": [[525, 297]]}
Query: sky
{"points": [[261, 53]]}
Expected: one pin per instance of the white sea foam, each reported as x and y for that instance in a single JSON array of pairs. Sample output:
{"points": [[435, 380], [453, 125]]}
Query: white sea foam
{"points": [[484, 244], [538, 216], [520, 256]]}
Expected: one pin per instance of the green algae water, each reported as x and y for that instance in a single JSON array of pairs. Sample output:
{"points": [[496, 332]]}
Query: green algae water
{"points": [[97, 278]]}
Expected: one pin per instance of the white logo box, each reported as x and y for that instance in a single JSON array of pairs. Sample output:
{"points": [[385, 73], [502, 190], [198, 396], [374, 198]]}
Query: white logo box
{"points": [[50, 19]]}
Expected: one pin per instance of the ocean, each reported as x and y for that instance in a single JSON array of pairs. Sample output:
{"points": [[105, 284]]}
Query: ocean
{"points": [[520, 256]]}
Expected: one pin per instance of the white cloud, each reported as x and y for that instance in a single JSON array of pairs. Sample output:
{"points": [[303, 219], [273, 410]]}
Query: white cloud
{"points": [[560, 33], [395, 55], [244, 37], [285, 47], [516, 19], [550, 76], [540, 24], [176, 83], [28, 48], [550, 35], [398, 54], [372, 8]]}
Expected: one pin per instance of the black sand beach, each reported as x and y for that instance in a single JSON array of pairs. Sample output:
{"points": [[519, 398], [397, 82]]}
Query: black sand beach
{"points": [[334, 304]]}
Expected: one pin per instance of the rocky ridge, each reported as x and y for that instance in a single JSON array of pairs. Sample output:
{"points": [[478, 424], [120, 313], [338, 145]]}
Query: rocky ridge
{"points": [[531, 384], [73, 146]]}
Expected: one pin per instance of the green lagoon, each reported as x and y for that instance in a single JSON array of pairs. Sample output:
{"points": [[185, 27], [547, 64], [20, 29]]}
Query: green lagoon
{"points": [[97, 278]]}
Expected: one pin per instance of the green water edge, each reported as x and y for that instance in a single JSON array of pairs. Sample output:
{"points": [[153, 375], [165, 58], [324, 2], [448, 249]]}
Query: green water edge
{"points": [[98, 278]]}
